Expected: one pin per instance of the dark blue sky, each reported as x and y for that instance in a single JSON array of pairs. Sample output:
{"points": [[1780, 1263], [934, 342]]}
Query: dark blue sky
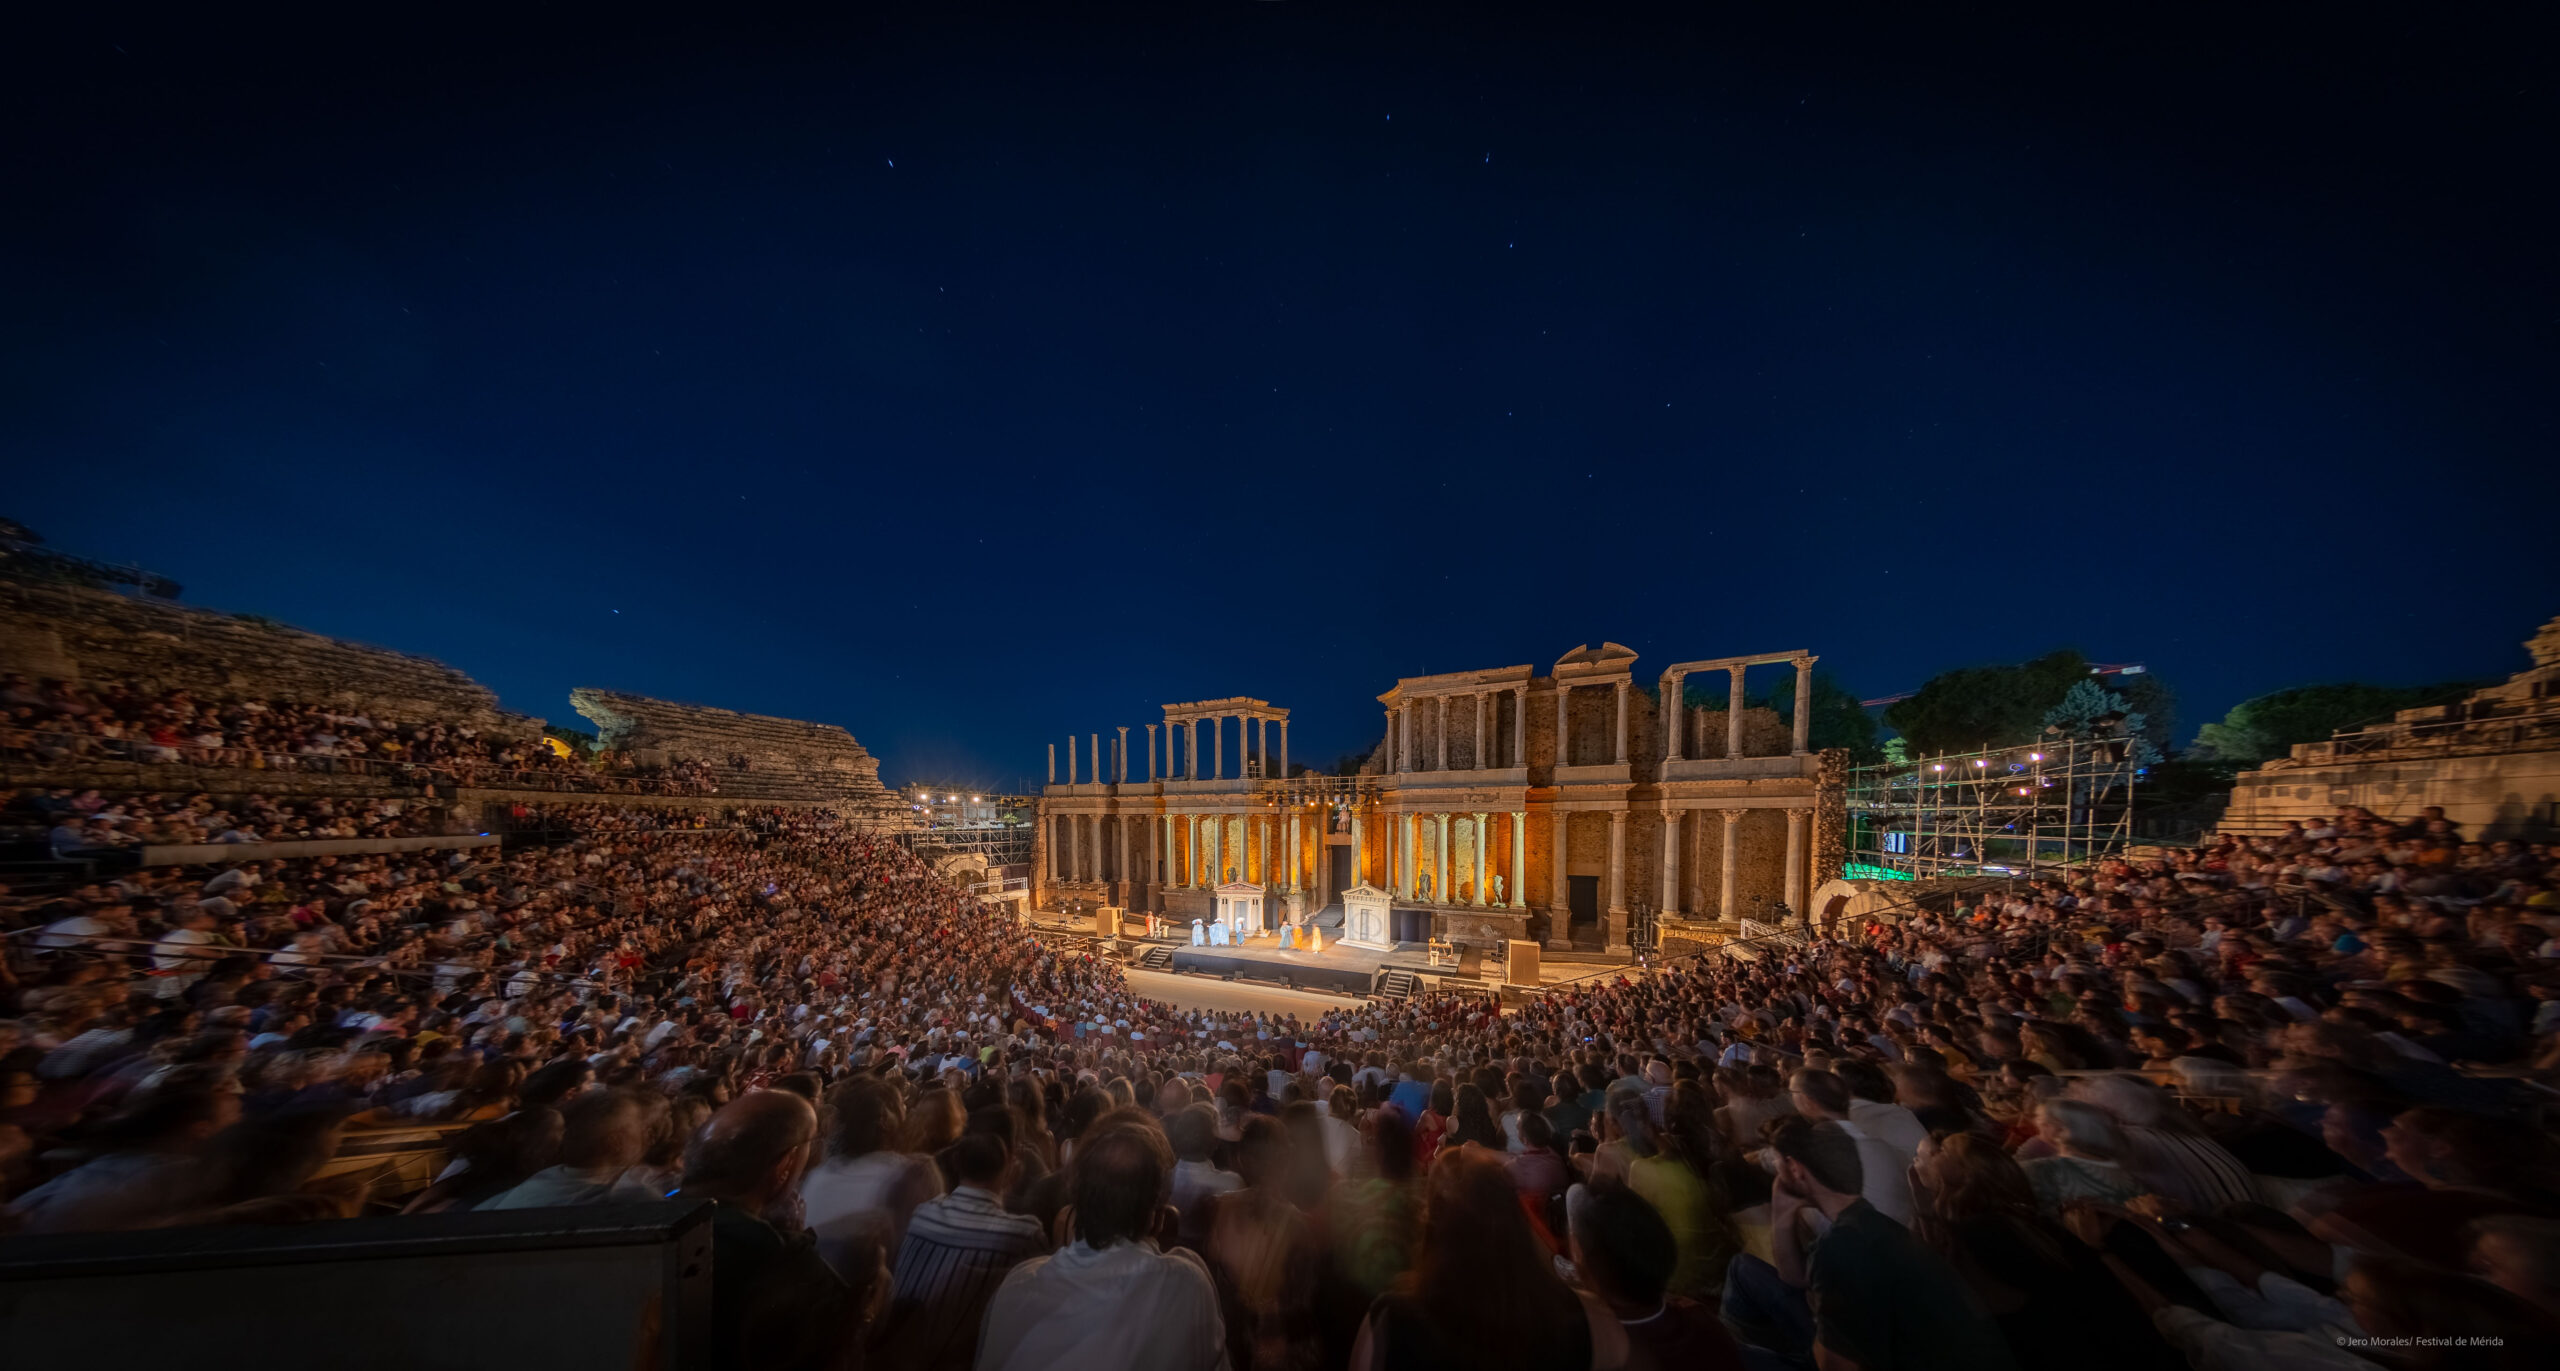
{"points": [[1285, 349]]}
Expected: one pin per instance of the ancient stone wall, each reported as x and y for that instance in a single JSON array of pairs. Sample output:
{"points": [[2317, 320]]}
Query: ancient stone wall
{"points": [[751, 756], [1830, 815], [97, 636]]}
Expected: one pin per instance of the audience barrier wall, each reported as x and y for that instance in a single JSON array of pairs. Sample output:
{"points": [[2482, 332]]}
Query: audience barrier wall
{"points": [[602, 1288]]}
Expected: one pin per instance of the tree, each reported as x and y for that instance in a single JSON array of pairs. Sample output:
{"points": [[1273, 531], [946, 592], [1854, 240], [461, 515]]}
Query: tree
{"points": [[2089, 710], [2269, 725], [1985, 706], [1838, 719]]}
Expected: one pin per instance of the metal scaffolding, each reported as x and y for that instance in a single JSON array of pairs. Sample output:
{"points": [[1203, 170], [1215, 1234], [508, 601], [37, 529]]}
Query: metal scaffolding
{"points": [[2057, 802]]}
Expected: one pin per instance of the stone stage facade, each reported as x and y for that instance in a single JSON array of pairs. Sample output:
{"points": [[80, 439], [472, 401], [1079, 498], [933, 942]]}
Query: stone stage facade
{"points": [[1502, 803]]}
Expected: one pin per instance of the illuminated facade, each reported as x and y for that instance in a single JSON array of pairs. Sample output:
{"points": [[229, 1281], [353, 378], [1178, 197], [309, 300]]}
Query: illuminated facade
{"points": [[1502, 803]]}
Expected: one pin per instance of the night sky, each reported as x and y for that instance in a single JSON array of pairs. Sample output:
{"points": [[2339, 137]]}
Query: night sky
{"points": [[973, 379]]}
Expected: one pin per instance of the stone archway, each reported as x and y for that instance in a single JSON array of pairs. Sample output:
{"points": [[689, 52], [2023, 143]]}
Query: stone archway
{"points": [[1846, 902]]}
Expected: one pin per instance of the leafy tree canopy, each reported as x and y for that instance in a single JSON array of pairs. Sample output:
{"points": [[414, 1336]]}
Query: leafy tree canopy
{"points": [[1986, 706], [2269, 725]]}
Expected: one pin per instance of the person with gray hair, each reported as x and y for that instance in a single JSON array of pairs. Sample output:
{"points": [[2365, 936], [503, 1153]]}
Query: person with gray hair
{"points": [[2088, 1158]]}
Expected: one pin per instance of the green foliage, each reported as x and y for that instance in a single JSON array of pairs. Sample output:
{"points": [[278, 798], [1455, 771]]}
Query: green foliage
{"points": [[1897, 751], [1838, 719], [2269, 725], [2089, 710], [1986, 706]]}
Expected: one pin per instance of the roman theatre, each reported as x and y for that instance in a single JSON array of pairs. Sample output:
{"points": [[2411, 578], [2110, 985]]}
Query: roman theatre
{"points": [[1566, 806]]}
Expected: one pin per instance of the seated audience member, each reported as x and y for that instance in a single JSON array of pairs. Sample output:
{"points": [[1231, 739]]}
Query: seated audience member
{"points": [[1625, 1254], [958, 1249], [859, 1199], [774, 1303], [1112, 1296], [1867, 1293], [603, 1135], [1483, 1291]]}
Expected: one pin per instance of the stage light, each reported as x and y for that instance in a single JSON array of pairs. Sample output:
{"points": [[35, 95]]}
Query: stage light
{"points": [[2035, 756]]}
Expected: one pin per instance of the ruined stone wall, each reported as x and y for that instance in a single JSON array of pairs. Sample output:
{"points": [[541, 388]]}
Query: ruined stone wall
{"points": [[1830, 815], [783, 759], [1765, 733], [95, 636]]}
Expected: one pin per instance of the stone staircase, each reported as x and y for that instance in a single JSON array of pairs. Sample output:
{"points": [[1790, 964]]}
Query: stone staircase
{"points": [[1156, 959]]}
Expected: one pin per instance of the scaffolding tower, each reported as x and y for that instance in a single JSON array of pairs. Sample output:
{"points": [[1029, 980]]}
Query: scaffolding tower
{"points": [[2057, 802]]}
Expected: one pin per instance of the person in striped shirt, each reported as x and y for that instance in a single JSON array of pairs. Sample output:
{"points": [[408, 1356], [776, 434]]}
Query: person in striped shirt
{"points": [[957, 1250]]}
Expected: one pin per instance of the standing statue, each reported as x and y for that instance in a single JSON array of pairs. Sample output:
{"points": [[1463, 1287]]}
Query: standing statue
{"points": [[1422, 886], [1497, 889]]}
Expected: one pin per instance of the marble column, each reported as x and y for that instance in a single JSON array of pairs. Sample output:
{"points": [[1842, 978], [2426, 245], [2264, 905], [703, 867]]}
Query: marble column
{"points": [[1284, 749], [1151, 753], [1443, 890], [1217, 747], [1520, 725], [1674, 714], [1443, 749], [1393, 762], [1795, 859], [1519, 859], [1618, 861], [1191, 857], [1053, 763], [1098, 773], [1120, 764], [1128, 851], [1405, 869], [1071, 759], [1804, 706], [1262, 746], [1483, 757], [1563, 893], [1614, 930], [1484, 858], [1387, 851], [1623, 691], [1733, 716], [1290, 871], [1359, 850], [1163, 855], [1726, 905], [1564, 724], [1670, 861]]}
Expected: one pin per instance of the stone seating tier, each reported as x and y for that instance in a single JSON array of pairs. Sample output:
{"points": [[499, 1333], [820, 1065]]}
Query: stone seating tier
{"points": [[68, 633]]}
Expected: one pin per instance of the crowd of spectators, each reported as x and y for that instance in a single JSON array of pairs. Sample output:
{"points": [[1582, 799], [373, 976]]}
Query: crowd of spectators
{"points": [[2266, 1102], [76, 823], [60, 722]]}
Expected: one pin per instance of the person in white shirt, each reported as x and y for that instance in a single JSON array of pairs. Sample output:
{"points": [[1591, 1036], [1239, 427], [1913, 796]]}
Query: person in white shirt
{"points": [[865, 1191], [1193, 1131], [1886, 1169], [1872, 1108], [1113, 1297]]}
